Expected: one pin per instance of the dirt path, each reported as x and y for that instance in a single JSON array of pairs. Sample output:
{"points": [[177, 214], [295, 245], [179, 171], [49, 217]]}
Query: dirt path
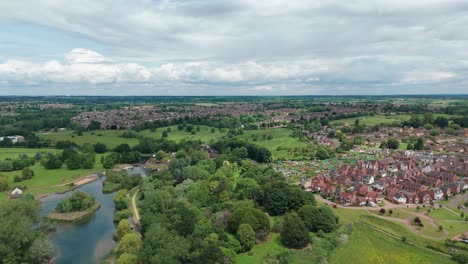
{"points": [[77, 182], [136, 214]]}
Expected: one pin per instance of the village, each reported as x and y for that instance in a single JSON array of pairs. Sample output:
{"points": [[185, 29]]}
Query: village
{"points": [[407, 177]]}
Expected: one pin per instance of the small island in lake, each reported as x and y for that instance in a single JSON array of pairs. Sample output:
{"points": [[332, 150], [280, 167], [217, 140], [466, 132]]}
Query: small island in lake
{"points": [[75, 207]]}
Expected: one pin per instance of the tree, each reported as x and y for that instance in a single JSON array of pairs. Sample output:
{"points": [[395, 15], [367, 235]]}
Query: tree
{"points": [[123, 228], [294, 233], [52, 162], [94, 125], [318, 218], [246, 236], [165, 134], [419, 144], [441, 228], [4, 186], [161, 246], [441, 121], [18, 231], [130, 243], [127, 258], [255, 218], [461, 258], [393, 143], [40, 251], [100, 148], [382, 210], [27, 173]]}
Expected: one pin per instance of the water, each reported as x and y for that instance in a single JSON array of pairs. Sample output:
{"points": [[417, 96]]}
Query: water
{"points": [[137, 170], [89, 240]]}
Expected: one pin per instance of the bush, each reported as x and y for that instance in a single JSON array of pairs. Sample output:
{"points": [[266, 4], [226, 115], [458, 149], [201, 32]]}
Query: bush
{"points": [[257, 220], [17, 178]]}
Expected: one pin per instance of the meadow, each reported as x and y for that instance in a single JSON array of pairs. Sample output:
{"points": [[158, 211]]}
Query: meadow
{"points": [[113, 138], [370, 246], [280, 137]]}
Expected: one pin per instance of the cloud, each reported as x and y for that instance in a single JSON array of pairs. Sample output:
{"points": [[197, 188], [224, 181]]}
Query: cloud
{"points": [[361, 46]]}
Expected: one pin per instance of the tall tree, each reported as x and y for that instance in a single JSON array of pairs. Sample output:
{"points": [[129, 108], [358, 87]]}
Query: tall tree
{"points": [[294, 233]]}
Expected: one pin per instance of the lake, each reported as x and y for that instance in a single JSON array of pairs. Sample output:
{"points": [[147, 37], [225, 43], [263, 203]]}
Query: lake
{"points": [[88, 240]]}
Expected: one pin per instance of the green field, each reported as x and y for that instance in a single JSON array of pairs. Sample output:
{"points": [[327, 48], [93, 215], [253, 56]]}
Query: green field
{"points": [[260, 252], [369, 246], [280, 137], [44, 178], [379, 119], [109, 137], [15, 152], [112, 138], [176, 135]]}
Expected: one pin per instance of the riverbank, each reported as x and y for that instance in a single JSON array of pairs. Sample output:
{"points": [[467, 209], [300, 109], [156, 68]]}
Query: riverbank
{"points": [[73, 216]]}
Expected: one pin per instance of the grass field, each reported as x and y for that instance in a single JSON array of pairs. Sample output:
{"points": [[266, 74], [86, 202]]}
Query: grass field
{"points": [[176, 135], [369, 246], [109, 137], [43, 177], [112, 138], [280, 137], [15, 152], [380, 119]]}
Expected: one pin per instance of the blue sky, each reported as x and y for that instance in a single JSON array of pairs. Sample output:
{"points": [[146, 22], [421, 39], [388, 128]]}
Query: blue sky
{"points": [[210, 47]]}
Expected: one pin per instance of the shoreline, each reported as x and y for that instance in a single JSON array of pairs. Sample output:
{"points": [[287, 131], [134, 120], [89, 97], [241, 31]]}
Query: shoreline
{"points": [[73, 216]]}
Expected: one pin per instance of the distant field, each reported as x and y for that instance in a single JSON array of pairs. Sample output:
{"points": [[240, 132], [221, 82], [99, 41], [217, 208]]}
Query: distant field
{"points": [[369, 246], [112, 138], [176, 135], [15, 152], [379, 119], [109, 137], [281, 137]]}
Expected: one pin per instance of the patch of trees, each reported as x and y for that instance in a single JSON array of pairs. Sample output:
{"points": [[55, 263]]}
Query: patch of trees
{"points": [[120, 180], [231, 147], [16, 164], [283, 198], [78, 201], [318, 218], [22, 236]]}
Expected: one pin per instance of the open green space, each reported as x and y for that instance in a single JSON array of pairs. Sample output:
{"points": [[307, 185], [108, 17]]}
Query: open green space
{"points": [[370, 246], [16, 152], [45, 178], [280, 137], [111, 138], [260, 252], [176, 135], [380, 119]]}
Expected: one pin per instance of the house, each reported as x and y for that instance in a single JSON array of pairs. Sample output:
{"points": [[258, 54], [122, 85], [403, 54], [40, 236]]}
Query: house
{"points": [[436, 193], [412, 198], [399, 197], [446, 190], [368, 179], [16, 193], [424, 197], [454, 187]]}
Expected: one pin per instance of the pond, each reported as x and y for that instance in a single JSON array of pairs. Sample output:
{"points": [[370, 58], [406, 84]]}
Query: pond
{"points": [[88, 240], [137, 170]]}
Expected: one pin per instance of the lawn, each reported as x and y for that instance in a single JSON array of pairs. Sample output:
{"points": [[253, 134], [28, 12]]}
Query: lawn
{"points": [[369, 246], [281, 137], [444, 214], [44, 178], [260, 252]]}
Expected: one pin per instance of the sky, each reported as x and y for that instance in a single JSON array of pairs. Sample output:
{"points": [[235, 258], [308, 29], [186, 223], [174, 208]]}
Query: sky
{"points": [[237, 47]]}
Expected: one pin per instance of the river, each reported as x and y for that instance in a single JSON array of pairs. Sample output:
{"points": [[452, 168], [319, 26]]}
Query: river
{"points": [[89, 240]]}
